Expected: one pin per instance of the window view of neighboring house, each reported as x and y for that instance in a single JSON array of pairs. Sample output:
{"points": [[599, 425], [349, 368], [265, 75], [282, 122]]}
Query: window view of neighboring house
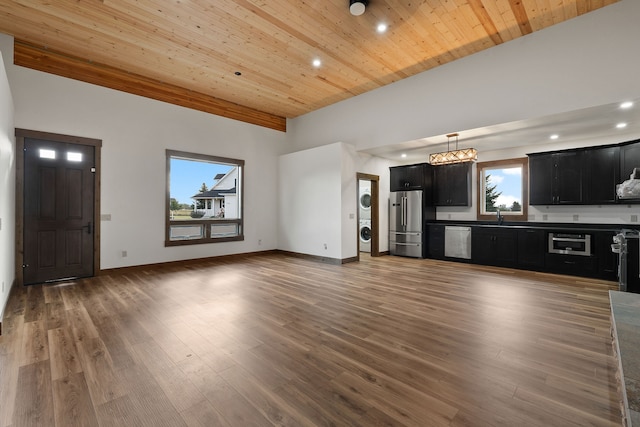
{"points": [[221, 201], [204, 199]]}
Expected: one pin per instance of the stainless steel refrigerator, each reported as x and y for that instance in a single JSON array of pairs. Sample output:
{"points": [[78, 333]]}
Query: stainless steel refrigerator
{"points": [[406, 223]]}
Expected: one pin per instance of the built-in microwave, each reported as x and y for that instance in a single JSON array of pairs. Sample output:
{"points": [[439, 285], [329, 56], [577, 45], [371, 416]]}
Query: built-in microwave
{"points": [[570, 244]]}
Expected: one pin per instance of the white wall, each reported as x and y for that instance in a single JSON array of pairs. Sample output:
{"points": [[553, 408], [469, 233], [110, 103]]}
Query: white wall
{"points": [[586, 61], [310, 209], [319, 200], [7, 189], [135, 132]]}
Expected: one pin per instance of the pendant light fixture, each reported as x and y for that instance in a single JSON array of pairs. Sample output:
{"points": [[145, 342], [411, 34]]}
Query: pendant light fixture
{"points": [[356, 7], [455, 156]]}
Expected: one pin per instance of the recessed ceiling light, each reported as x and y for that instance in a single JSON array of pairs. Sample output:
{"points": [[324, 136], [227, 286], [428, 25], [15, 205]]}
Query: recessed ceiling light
{"points": [[627, 104], [316, 63], [381, 28], [357, 7], [621, 125], [403, 155], [554, 136]]}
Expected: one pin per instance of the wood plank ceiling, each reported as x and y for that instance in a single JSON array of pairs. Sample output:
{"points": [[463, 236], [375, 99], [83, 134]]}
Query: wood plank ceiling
{"points": [[188, 52]]}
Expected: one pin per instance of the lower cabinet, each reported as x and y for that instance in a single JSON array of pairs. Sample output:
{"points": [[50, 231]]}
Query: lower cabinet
{"points": [[607, 260], [494, 246], [572, 265], [527, 249], [435, 241], [531, 248]]}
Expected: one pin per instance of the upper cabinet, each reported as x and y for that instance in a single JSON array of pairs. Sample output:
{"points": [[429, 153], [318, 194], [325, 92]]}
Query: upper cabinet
{"points": [[453, 184], [556, 178], [411, 177], [585, 176], [601, 174], [629, 159]]}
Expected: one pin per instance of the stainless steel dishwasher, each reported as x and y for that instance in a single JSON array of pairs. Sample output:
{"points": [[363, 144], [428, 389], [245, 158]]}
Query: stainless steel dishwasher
{"points": [[457, 242]]}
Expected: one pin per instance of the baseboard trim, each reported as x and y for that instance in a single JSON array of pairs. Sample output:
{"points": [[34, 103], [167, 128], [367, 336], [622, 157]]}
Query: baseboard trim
{"points": [[4, 307], [322, 259], [184, 262], [189, 262]]}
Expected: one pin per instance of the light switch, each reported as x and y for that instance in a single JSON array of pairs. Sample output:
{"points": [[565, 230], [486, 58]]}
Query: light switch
{"points": [[105, 217]]}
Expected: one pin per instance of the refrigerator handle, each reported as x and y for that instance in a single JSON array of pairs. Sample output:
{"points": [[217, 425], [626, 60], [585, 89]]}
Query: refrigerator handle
{"points": [[404, 211]]}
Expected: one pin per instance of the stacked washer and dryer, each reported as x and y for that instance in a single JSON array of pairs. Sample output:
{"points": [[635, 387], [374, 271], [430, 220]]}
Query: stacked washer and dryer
{"points": [[364, 197]]}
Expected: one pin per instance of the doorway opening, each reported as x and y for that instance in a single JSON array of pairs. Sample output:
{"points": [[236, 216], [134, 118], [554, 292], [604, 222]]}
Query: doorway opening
{"points": [[368, 214], [57, 207]]}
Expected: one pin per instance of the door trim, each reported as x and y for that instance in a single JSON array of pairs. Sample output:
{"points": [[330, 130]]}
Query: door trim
{"points": [[21, 134], [375, 212]]}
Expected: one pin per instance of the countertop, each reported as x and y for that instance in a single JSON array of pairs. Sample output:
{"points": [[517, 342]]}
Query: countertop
{"points": [[625, 323], [614, 228]]}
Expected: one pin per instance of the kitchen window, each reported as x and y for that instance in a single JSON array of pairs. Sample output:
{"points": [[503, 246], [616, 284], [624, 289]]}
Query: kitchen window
{"points": [[503, 187], [204, 199]]}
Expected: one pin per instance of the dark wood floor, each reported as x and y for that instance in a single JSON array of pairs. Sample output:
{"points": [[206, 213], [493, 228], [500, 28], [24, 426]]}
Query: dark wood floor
{"points": [[275, 340]]}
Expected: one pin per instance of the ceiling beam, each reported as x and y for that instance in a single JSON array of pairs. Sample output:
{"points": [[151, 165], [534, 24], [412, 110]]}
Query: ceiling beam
{"points": [[58, 63]]}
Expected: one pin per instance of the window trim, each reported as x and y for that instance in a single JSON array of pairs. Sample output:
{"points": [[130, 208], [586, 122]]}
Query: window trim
{"points": [[169, 154], [480, 167]]}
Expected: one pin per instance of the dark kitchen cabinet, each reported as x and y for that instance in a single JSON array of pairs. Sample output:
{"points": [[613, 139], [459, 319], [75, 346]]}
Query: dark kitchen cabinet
{"points": [[633, 273], [574, 265], [453, 184], [607, 260], [629, 159], [435, 236], [556, 178], [541, 178], [601, 174], [411, 177], [494, 246], [531, 248]]}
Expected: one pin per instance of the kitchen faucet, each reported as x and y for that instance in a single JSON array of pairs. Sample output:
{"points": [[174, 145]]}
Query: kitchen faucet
{"points": [[499, 217]]}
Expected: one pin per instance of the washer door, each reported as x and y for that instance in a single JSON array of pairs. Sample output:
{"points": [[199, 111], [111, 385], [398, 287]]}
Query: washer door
{"points": [[365, 234], [365, 200]]}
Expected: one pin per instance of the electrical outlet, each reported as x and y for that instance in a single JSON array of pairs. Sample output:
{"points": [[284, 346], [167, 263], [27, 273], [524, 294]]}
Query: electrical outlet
{"points": [[105, 217], [3, 286], [124, 254], [325, 246], [576, 217], [545, 217], [448, 216], [259, 242], [634, 218]]}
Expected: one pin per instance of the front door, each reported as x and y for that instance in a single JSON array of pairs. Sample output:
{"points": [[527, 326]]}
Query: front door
{"points": [[59, 185]]}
